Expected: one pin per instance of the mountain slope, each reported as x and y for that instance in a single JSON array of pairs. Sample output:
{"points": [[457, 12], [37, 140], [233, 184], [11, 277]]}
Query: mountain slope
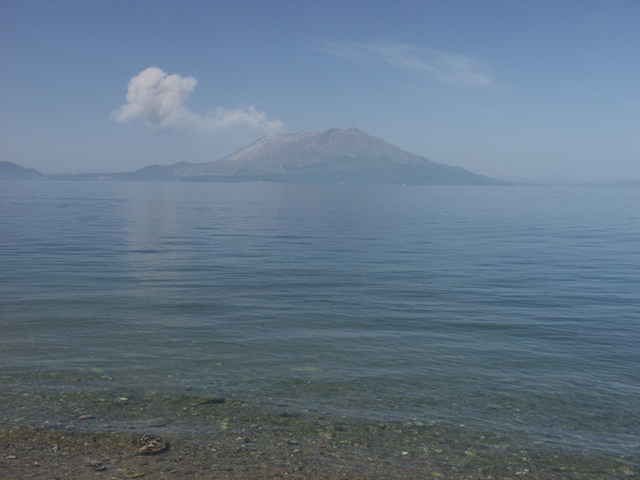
{"points": [[12, 171], [334, 156], [308, 148]]}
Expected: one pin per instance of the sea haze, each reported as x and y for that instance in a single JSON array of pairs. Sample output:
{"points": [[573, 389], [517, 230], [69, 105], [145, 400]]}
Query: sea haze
{"points": [[510, 308]]}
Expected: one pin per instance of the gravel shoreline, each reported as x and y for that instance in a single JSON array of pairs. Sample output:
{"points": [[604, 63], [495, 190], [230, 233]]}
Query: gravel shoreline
{"points": [[234, 440]]}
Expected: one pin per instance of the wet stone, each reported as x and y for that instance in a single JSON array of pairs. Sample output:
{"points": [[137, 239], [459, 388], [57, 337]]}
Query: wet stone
{"points": [[95, 465], [135, 474], [151, 445], [211, 400]]}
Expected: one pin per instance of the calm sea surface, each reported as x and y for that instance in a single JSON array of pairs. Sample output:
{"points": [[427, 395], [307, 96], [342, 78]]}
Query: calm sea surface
{"points": [[509, 308]]}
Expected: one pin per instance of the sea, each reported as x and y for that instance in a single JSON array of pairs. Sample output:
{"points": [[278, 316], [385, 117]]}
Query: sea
{"points": [[509, 309]]}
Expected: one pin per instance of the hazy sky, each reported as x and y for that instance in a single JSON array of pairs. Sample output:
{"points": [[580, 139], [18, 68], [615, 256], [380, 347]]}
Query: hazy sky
{"points": [[511, 89]]}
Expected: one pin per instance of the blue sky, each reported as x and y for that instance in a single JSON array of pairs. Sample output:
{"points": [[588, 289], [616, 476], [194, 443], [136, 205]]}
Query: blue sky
{"points": [[510, 89]]}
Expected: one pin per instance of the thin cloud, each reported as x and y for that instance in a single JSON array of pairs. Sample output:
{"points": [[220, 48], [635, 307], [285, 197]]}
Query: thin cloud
{"points": [[160, 100], [433, 65]]}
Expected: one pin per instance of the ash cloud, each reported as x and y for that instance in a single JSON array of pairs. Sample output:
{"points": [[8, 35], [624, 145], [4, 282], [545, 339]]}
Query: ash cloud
{"points": [[160, 100]]}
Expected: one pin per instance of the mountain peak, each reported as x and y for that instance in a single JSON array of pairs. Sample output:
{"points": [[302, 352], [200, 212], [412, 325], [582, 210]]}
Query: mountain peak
{"points": [[334, 135], [309, 147]]}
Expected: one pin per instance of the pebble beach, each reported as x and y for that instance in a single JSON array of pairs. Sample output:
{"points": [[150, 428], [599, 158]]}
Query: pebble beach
{"points": [[103, 437]]}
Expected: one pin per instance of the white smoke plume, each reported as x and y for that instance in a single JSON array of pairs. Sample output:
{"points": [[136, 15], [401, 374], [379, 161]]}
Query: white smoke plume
{"points": [[160, 100]]}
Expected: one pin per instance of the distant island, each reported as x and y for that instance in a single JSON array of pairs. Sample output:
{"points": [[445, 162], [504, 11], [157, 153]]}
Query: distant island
{"points": [[333, 156]]}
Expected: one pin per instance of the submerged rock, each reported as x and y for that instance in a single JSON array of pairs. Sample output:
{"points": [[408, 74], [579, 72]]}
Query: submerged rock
{"points": [[95, 465], [151, 444], [211, 400]]}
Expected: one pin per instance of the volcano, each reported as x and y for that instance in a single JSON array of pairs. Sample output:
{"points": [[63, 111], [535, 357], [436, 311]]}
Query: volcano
{"points": [[333, 156]]}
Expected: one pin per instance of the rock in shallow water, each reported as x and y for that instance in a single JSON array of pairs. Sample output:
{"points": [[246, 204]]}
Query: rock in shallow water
{"points": [[95, 464], [151, 444]]}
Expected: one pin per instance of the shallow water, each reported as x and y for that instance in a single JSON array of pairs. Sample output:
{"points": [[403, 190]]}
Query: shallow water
{"points": [[510, 309]]}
